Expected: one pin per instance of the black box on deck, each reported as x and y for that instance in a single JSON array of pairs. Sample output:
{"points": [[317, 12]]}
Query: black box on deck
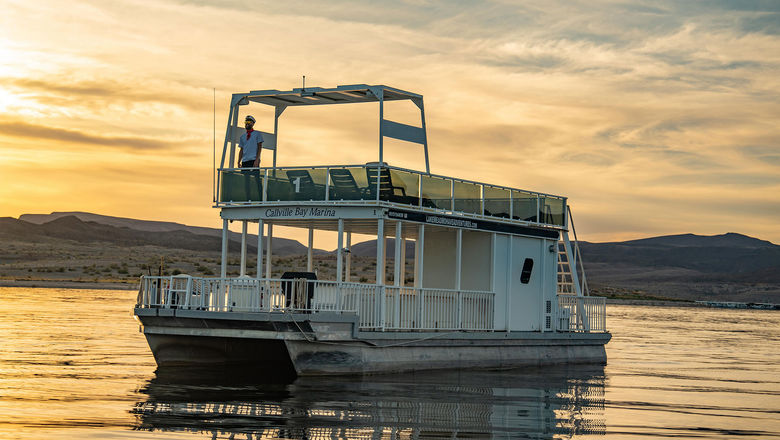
{"points": [[287, 286]]}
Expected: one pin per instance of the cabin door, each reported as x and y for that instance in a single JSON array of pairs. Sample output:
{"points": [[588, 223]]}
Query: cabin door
{"points": [[526, 287]]}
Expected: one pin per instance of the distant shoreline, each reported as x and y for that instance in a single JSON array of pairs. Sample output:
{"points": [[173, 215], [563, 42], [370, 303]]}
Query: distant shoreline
{"points": [[91, 285], [652, 302], [69, 284]]}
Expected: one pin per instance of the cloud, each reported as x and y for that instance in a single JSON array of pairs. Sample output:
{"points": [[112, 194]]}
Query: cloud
{"points": [[722, 178], [62, 89], [44, 133], [765, 23], [769, 154]]}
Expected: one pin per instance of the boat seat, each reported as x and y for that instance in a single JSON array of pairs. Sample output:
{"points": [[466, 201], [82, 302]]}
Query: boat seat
{"points": [[345, 187], [303, 186], [387, 191]]}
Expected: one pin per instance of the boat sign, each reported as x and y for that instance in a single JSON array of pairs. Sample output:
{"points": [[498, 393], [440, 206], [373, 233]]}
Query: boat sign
{"points": [[465, 223]]}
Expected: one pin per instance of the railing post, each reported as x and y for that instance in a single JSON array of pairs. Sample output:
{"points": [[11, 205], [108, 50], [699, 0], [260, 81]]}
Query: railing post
{"points": [[538, 210], [327, 184], [421, 306], [460, 310], [397, 307], [187, 293], [265, 185], [419, 190], [168, 293], [511, 204], [452, 195], [481, 200]]}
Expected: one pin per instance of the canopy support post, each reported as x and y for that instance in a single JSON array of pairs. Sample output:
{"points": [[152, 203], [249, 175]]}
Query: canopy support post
{"points": [[259, 248], [269, 250], [340, 253], [310, 252], [223, 264], [242, 271], [348, 271]]}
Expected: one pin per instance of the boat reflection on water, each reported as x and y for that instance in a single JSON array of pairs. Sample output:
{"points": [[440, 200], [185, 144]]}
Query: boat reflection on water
{"points": [[536, 404]]}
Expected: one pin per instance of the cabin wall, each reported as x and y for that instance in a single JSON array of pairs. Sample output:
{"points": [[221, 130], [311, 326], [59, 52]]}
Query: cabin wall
{"points": [[439, 260], [497, 265], [476, 258], [550, 284], [501, 273]]}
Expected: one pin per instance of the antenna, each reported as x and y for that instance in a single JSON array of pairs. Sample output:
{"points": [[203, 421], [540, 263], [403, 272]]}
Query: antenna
{"points": [[214, 149], [303, 89]]}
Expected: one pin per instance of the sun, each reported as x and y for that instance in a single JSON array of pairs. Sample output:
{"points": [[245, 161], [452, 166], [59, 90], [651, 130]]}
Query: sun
{"points": [[10, 102]]}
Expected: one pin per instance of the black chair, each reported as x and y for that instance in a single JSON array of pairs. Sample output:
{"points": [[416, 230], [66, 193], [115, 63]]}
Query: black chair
{"points": [[344, 186], [303, 185], [387, 191]]}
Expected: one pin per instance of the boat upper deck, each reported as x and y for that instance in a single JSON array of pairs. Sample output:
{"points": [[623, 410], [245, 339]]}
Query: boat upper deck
{"points": [[373, 185]]}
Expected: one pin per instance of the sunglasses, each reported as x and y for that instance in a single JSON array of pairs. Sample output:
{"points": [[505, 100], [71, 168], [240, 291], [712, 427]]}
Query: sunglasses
{"points": [[248, 122]]}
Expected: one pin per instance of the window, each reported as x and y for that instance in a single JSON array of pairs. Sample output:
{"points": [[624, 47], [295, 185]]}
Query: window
{"points": [[525, 275]]}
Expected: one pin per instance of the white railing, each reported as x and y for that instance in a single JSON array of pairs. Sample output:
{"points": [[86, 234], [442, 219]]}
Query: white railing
{"points": [[437, 309], [582, 313], [403, 308]]}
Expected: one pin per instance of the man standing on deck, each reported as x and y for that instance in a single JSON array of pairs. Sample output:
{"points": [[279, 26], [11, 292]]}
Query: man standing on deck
{"points": [[250, 145]]}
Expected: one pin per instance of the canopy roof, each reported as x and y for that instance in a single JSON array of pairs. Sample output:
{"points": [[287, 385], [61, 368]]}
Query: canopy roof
{"points": [[354, 93], [349, 94]]}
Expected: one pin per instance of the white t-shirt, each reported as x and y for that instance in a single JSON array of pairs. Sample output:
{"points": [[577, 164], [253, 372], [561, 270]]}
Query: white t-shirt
{"points": [[249, 146]]}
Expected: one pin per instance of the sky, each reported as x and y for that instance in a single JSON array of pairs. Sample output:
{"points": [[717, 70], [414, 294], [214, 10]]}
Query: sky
{"points": [[653, 118]]}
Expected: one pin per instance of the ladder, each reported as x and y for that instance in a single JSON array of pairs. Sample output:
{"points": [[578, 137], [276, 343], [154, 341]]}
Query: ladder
{"points": [[571, 272]]}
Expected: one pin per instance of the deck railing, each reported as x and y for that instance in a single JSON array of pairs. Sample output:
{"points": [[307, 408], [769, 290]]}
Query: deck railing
{"points": [[582, 313], [359, 184], [403, 308], [437, 309]]}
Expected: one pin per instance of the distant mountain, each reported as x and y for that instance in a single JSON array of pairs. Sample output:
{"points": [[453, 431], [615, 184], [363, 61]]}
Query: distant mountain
{"points": [[140, 225], [730, 239], [368, 248], [281, 246], [718, 254], [72, 228]]}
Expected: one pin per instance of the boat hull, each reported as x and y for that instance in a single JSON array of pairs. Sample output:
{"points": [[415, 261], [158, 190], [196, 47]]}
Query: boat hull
{"points": [[311, 359], [322, 345]]}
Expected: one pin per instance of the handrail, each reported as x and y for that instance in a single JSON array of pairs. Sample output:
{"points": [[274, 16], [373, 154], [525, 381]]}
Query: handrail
{"points": [[578, 256], [251, 186], [584, 314], [377, 307], [393, 167]]}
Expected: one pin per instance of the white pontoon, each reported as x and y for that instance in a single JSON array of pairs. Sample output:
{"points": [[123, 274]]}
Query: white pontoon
{"points": [[496, 281]]}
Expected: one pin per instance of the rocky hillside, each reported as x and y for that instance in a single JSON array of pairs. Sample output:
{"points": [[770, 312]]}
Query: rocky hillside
{"points": [[728, 267]]}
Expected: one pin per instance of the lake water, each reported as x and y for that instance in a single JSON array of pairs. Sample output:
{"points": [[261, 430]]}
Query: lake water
{"points": [[73, 365]]}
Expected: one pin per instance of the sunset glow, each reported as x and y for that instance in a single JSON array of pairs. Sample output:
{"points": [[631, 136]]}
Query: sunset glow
{"points": [[653, 118]]}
